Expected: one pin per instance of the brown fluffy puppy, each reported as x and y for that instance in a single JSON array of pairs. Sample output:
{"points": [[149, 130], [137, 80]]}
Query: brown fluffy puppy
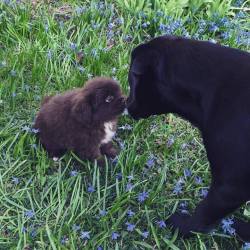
{"points": [[82, 120]]}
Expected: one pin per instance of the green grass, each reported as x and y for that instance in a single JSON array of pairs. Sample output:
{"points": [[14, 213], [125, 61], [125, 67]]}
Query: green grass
{"points": [[39, 55]]}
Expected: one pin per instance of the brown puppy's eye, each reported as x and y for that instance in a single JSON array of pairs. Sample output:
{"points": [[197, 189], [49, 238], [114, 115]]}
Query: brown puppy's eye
{"points": [[109, 99]]}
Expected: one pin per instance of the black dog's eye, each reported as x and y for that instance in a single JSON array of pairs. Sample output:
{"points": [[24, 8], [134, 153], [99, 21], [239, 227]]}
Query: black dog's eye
{"points": [[109, 99]]}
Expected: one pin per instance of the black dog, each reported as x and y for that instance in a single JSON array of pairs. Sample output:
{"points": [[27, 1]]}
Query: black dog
{"points": [[209, 85]]}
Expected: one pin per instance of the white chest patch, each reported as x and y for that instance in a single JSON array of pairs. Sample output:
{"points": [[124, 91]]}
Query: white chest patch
{"points": [[109, 132]]}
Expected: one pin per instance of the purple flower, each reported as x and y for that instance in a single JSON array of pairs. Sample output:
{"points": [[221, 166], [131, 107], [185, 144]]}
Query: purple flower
{"points": [[95, 25], [128, 38], [91, 189], [15, 180], [61, 24], [103, 212], [120, 142], [130, 227], [227, 226], [126, 127], [212, 41], [125, 112], [145, 25], [130, 177], [225, 35], [26, 88], [183, 204], [151, 161], [184, 211], [49, 54], [184, 146], [85, 235], [64, 240], [24, 229], [159, 13], [161, 224], [73, 173], [240, 15], [170, 142], [101, 6], [198, 180], [99, 248], [26, 128], [130, 213], [119, 21], [94, 52], [178, 188], [115, 236], [203, 192], [35, 131], [81, 69], [243, 37], [119, 176], [129, 187], [213, 27], [142, 196], [89, 75], [46, 27], [3, 64], [145, 234], [187, 172], [76, 228], [111, 26], [29, 214], [73, 46], [79, 10], [33, 233], [13, 72], [246, 246]]}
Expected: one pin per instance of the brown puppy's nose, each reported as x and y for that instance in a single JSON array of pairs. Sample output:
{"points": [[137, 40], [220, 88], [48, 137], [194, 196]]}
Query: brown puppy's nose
{"points": [[124, 99]]}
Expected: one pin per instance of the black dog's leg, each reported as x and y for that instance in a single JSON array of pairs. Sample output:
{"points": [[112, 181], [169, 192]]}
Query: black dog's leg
{"points": [[242, 229], [220, 201]]}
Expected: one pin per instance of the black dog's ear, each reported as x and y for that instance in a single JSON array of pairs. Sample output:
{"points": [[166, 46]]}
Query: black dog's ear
{"points": [[138, 67], [143, 58], [82, 111]]}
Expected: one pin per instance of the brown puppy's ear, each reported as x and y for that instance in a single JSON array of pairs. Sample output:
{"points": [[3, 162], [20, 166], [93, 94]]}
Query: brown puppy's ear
{"points": [[82, 111]]}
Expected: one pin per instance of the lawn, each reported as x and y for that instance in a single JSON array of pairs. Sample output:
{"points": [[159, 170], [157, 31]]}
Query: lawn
{"points": [[48, 47]]}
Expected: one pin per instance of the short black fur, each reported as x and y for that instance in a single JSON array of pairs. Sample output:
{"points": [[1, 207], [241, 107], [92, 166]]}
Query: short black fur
{"points": [[208, 85]]}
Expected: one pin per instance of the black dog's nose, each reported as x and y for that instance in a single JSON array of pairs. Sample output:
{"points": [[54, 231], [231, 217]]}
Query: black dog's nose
{"points": [[128, 101]]}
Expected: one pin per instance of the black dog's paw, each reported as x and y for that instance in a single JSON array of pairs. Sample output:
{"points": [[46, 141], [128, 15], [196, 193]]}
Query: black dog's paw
{"points": [[181, 222], [242, 229]]}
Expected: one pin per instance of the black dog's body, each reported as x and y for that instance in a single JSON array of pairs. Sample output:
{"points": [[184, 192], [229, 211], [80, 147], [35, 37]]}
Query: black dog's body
{"points": [[209, 85]]}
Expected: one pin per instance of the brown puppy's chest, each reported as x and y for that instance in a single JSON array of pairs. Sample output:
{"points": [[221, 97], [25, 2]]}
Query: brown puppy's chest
{"points": [[109, 131]]}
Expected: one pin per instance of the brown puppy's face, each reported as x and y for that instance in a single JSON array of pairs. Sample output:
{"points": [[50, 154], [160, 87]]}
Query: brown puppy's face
{"points": [[108, 102], [101, 100]]}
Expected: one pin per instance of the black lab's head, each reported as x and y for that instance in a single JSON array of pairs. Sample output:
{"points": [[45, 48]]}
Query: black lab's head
{"points": [[144, 98]]}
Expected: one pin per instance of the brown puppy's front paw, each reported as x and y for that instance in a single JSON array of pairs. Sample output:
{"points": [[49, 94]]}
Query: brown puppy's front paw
{"points": [[109, 150], [101, 162], [113, 152]]}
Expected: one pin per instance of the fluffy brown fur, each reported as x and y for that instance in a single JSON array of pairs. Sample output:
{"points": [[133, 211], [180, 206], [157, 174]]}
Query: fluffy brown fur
{"points": [[82, 120]]}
